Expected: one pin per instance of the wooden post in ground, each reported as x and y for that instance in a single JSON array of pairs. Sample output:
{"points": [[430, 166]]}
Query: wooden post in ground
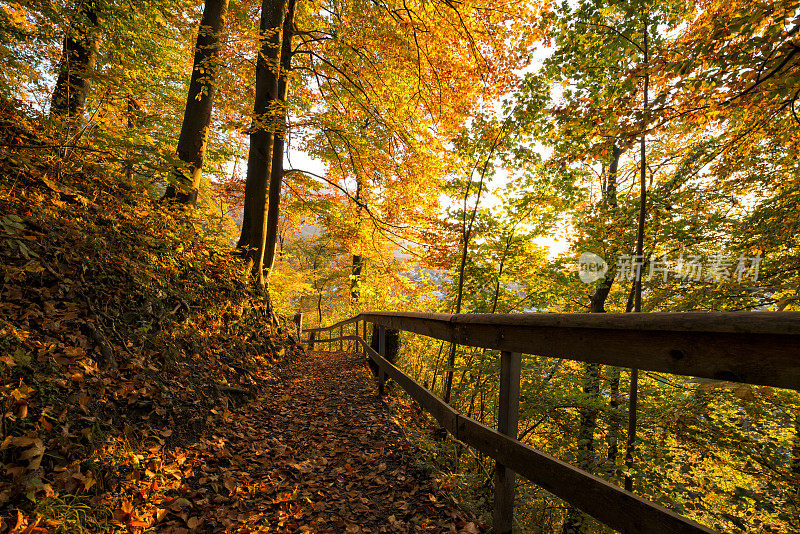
{"points": [[366, 356], [298, 321], [311, 337], [508, 424], [382, 352]]}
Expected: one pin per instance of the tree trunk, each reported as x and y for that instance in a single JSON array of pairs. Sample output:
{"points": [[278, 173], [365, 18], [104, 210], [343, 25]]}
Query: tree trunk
{"points": [[576, 521], [465, 237], [200, 98], [357, 266], [614, 420], [436, 367], [78, 60], [262, 138], [637, 297], [276, 173], [611, 187], [355, 277], [793, 501]]}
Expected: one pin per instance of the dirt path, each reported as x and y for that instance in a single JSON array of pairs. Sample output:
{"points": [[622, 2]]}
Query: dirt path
{"points": [[319, 454]]}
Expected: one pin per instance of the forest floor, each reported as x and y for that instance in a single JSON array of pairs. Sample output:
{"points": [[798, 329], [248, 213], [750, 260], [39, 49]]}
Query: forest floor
{"points": [[308, 446], [319, 453], [144, 389]]}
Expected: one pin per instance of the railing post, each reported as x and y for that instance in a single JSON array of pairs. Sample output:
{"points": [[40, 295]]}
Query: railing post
{"points": [[311, 337], [341, 341], [366, 356], [508, 424], [298, 321], [382, 351]]}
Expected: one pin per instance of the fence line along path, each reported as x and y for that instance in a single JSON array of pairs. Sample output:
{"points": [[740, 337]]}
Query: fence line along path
{"points": [[751, 347]]}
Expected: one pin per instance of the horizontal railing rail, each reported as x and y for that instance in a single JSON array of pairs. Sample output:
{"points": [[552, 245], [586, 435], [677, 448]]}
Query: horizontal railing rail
{"points": [[752, 347]]}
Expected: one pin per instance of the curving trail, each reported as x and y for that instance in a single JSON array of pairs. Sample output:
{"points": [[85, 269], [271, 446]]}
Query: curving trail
{"points": [[318, 452]]}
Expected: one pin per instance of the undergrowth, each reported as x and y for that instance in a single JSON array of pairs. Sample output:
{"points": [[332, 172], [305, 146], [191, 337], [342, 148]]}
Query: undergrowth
{"points": [[127, 326], [459, 472]]}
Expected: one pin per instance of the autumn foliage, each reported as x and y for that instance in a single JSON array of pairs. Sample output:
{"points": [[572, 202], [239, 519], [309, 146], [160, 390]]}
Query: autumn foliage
{"points": [[434, 156]]}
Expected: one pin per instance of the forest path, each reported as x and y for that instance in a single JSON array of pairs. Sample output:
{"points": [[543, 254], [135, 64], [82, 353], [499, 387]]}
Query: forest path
{"points": [[319, 453]]}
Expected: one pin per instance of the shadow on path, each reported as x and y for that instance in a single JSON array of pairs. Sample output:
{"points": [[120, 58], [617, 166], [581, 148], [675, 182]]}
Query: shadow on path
{"points": [[318, 453]]}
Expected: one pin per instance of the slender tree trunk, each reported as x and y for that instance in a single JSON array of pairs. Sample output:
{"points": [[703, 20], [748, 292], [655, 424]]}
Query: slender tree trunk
{"points": [[613, 377], [637, 302], [509, 239], [637, 298], [200, 99], [613, 167], [262, 138], [436, 367], [467, 367], [478, 386], [576, 521], [356, 269], [466, 234], [279, 146], [357, 265], [615, 421], [78, 60], [794, 488]]}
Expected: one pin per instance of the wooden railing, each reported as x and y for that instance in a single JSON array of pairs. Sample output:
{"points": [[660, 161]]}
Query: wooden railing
{"points": [[752, 347]]}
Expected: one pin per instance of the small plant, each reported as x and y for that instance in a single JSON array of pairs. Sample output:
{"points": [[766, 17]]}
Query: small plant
{"points": [[10, 226], [73, 514]]}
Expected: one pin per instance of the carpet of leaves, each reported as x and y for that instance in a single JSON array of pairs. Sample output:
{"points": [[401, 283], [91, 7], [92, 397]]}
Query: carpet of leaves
{"points": [[319, 453], [142, 388], [309, 447]]}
